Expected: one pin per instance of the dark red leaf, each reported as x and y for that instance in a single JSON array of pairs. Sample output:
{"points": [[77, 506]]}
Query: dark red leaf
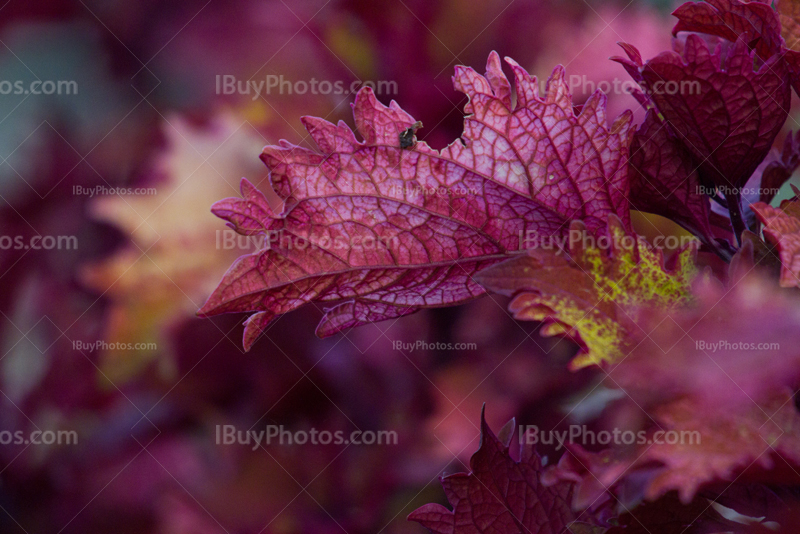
{"points": [[503, 496], [730, 19], [664, 178], [593, 295], [725, 113], [755, 22]]}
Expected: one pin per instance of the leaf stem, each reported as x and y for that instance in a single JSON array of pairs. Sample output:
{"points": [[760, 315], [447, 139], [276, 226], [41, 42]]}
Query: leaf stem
{"points": [[734, 200]]}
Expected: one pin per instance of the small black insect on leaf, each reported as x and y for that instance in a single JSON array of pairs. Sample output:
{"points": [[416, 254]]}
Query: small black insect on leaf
{"points": [[408, 138]]}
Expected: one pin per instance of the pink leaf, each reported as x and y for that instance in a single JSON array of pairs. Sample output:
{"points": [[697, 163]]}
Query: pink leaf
{"points": [[719, 378], [382, 230]]}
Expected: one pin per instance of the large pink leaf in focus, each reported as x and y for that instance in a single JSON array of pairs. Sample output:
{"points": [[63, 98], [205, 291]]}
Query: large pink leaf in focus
{"points": [[432, 219], [503, 496]]}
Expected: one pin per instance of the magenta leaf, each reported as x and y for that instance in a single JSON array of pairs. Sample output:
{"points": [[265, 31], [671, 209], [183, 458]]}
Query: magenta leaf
{"points": [[381, 231], [664, 178], [503, 496]]}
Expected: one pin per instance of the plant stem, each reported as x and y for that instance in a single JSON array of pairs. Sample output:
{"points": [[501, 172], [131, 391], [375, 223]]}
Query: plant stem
{"points": [[735, 210]]}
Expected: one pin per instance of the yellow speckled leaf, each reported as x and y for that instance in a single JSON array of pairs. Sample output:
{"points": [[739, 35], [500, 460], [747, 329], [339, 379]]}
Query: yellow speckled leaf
{"points": [[595, 294]]}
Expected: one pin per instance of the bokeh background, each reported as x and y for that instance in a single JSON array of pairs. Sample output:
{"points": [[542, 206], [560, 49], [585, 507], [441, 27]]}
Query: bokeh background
{"points": [[102, 339]]}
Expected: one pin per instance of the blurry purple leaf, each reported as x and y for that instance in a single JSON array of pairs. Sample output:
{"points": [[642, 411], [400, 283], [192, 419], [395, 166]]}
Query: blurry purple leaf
{"points": [[780, 168], [754, 500], [670, 516], [720, 378]]}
